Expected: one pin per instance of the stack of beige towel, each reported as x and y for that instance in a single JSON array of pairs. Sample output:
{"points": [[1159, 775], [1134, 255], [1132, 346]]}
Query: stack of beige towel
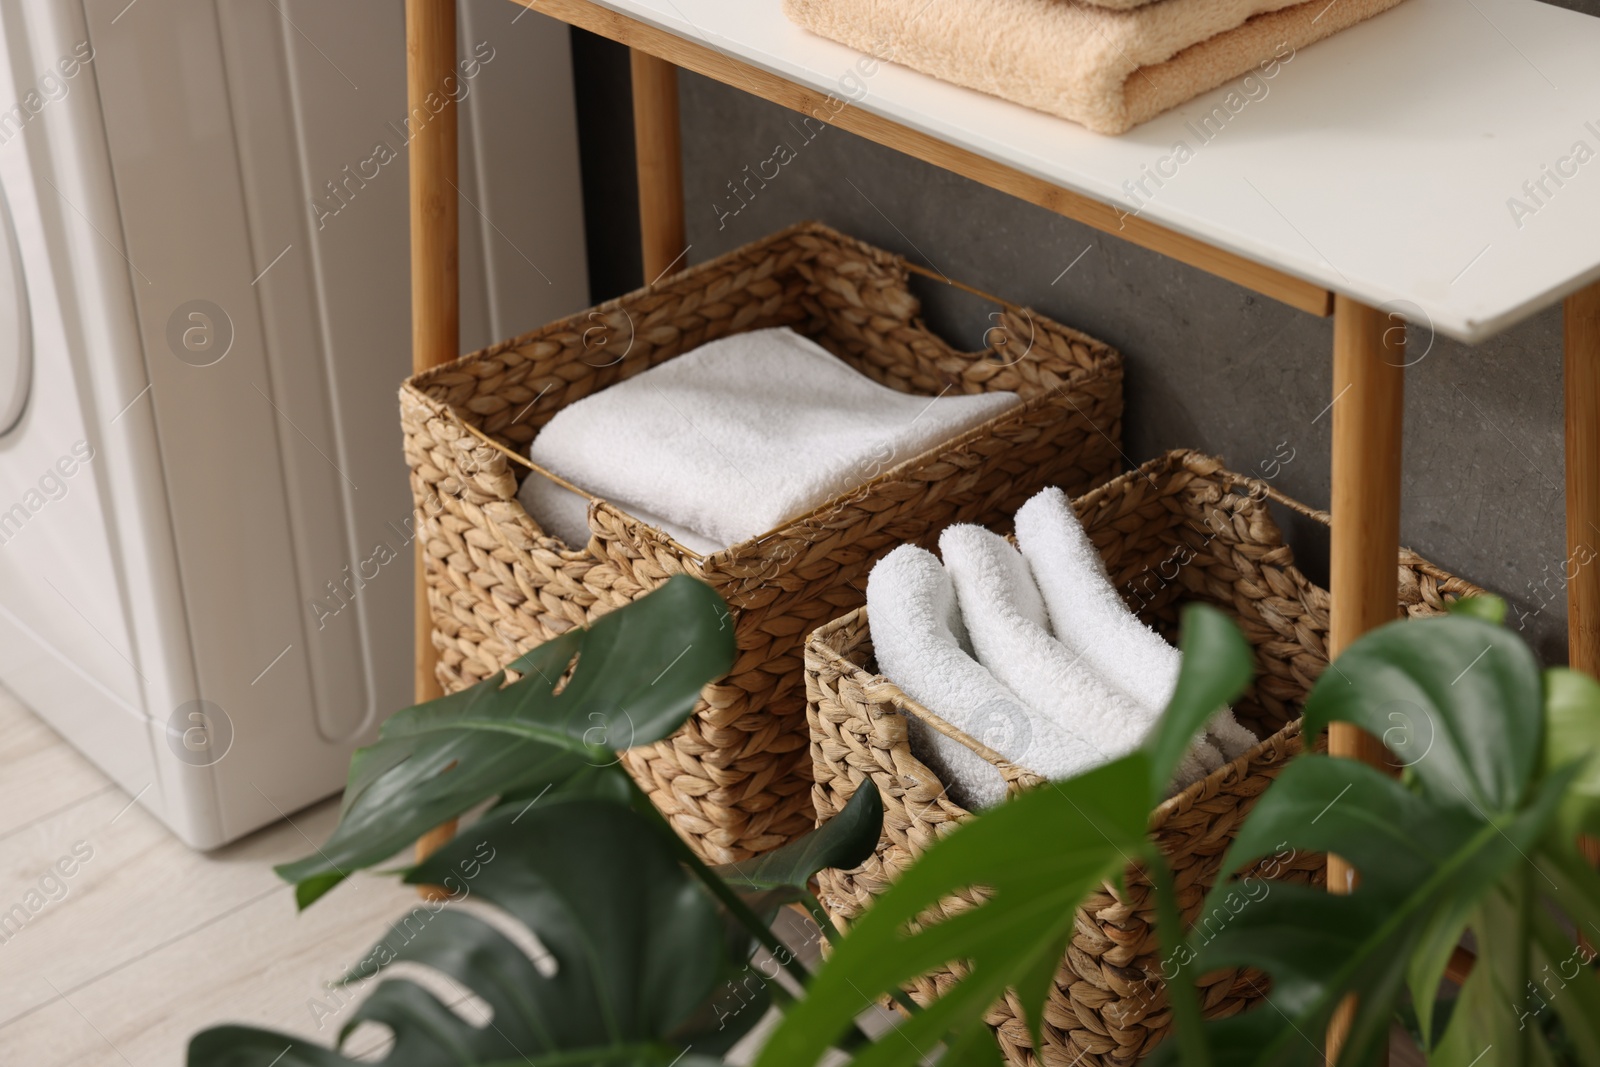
{"points": [[1109, 64]]}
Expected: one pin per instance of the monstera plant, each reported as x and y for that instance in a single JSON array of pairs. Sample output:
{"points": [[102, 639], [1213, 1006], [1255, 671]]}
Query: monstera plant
{"points": [[1480, 835], [647, 952], [1499, 774]]}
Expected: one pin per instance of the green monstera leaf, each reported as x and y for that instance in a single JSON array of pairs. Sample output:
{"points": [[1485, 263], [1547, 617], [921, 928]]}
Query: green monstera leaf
{"points": [[646, 952], [1456, 698], [1092, 822], [783, 875], [1217, 666], [631, 677], [1470, 838], [639, 954], [1572, 734]]}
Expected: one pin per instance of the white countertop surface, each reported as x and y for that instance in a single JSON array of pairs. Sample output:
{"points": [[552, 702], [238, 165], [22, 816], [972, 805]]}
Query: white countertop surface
{"points": [[1381, 163]]}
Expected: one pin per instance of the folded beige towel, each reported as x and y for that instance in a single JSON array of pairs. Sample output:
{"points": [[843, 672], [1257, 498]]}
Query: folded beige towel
{"points": [[1108, 67]]}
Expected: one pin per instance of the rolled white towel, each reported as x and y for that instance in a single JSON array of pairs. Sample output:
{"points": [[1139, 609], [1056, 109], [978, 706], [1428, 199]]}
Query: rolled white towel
{"points": [[565, 514], [1091, 619], [1080, 721], [921, 646], [737, 437]]}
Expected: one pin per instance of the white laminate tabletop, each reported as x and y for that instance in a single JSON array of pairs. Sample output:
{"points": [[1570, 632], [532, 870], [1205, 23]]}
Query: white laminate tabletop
{"points": [[1386, 163]]}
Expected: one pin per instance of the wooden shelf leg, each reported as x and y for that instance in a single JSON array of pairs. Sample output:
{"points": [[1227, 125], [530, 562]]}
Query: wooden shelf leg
{"points": [[1368, 411], [1369, 402], [658, 149], [435, 250], [435, 264], [1582, 328], [1583, 478]]}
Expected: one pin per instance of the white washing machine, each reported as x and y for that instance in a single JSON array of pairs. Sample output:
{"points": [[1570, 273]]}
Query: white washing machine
{"points": [[205, 558]]}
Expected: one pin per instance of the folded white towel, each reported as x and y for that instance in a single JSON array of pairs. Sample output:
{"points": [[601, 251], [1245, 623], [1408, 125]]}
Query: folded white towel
{"points": [[921, 646], [739, 435], [565, 514], [1001, 607], [1090, 618]]}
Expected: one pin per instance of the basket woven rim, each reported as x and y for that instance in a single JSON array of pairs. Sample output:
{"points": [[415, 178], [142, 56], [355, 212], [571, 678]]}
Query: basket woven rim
{"points": [[814, 227], [1208, 466], [1103, 357], [1269, 750]]}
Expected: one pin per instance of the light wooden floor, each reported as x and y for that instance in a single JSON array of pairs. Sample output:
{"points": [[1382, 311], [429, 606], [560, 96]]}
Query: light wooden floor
{"points": [[150, 941]]}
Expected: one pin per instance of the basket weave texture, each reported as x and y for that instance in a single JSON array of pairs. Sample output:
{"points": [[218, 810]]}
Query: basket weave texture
{"points": [[1179, 528], [735, 779]]}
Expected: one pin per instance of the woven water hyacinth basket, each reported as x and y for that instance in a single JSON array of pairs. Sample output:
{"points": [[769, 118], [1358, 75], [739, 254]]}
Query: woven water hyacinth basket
{"points": [[736, 779], [1180, 528]]}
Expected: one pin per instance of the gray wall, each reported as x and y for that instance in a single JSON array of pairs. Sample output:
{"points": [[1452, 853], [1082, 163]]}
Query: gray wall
{"points": [[1210, 365]]}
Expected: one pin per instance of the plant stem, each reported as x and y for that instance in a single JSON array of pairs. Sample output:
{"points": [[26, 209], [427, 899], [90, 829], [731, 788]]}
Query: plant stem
{"points": [[1576, 1008], [1578, 887], [1186, 1017], [855, 1037], [1526, 900], [814, 907], [719, 889]]}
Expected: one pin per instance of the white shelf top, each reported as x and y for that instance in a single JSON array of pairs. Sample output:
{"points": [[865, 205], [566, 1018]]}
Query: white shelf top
{"points": [[1381, 163]]}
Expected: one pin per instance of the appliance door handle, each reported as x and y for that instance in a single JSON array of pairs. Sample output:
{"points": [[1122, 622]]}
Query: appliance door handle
{"points": [[16, 324]]}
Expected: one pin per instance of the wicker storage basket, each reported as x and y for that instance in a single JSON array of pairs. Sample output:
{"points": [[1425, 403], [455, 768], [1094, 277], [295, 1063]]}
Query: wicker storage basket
{"points": [[1179, 528], [735, 780]]}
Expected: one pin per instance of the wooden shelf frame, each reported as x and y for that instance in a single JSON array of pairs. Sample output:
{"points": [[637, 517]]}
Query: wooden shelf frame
{"points": [[1368, 346], [702, 59]]}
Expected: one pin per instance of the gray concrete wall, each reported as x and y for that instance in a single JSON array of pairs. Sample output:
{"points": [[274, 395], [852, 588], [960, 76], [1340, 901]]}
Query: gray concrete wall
{"points": [[1209, 365]]}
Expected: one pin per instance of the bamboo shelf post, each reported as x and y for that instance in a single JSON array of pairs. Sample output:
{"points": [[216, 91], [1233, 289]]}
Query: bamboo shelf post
{"points": [[435, 263], [1368, 404], [1368, 409], [1582, 374], [1582, 380], [658, 160]]}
